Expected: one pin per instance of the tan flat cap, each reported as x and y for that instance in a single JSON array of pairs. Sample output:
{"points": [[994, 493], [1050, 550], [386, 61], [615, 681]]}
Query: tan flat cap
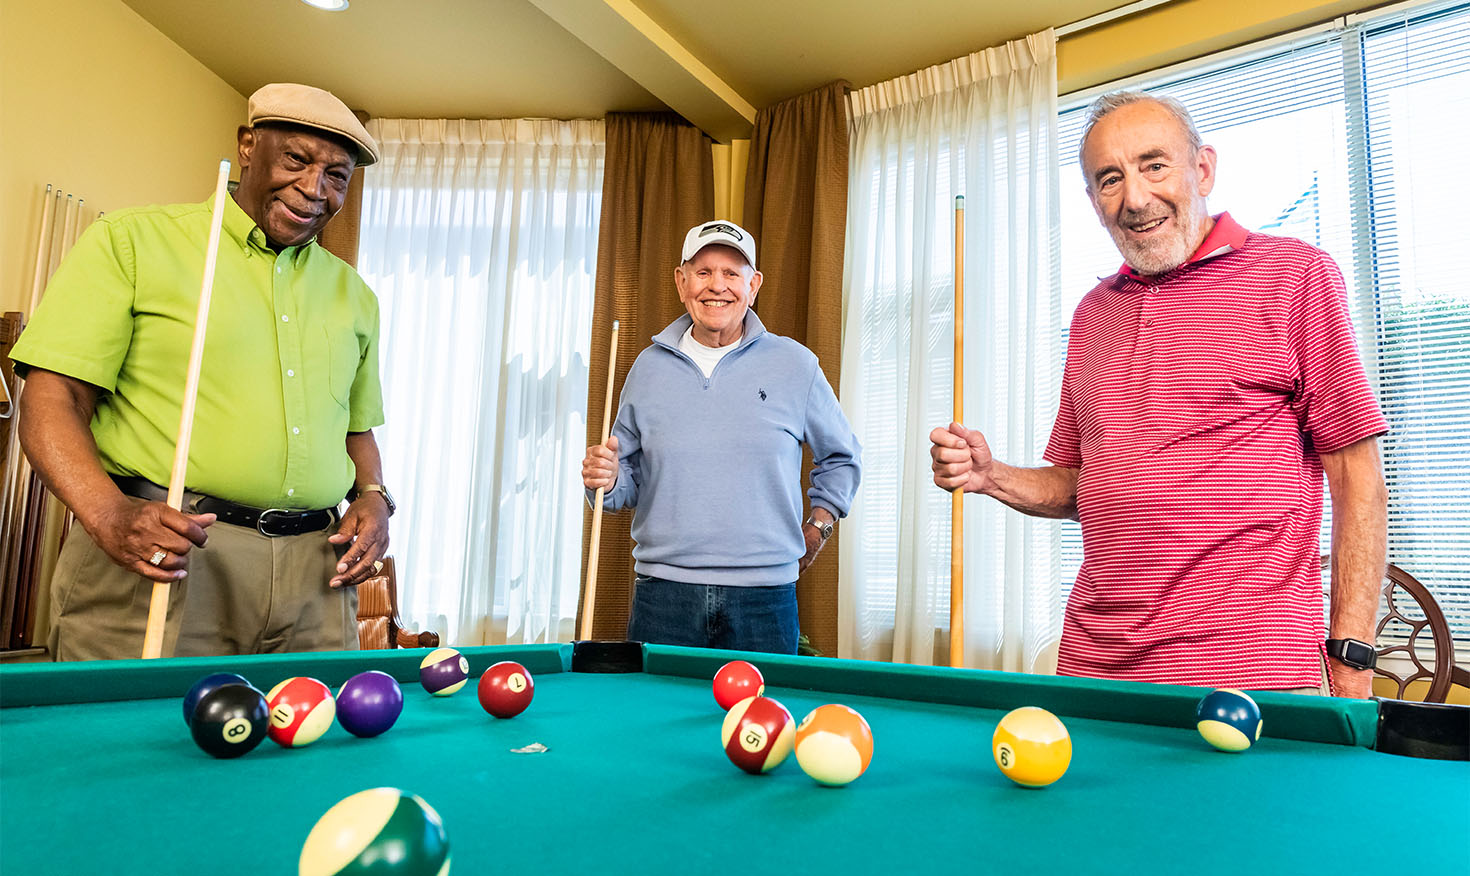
{"points": [[312, 108]]}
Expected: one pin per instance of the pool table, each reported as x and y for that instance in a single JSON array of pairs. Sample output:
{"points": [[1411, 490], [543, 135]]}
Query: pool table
{"points": [[98, 774]]}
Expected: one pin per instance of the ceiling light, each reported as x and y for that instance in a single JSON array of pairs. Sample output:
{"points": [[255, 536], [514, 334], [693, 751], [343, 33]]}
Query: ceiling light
{"points": [[329, 5]]}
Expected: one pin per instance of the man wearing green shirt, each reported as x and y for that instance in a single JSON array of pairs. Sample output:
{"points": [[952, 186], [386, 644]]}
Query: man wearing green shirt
{"points": [[288, 396]]}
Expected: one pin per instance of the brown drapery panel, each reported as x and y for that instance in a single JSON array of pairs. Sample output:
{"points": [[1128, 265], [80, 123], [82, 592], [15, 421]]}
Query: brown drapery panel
{"points": [[796, 208], [658, 181], [340, 235]]}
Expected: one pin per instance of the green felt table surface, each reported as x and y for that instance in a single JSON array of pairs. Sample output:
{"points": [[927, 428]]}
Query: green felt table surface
{"points": [[98, 774]]}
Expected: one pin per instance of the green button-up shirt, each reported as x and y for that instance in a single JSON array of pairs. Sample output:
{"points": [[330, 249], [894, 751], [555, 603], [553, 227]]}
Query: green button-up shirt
{"points": [[290, 359]]}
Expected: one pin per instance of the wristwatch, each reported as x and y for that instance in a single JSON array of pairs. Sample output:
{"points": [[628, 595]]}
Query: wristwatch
{"points": [[375, 488], [824, 529], [1358, 655]]}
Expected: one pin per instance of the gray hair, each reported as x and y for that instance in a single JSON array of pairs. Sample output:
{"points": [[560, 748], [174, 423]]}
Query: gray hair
{"points": [[1119, 99]]}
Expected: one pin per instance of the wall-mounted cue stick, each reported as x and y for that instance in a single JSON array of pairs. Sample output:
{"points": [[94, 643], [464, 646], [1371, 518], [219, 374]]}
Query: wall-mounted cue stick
{"points": [[158, 606], [589, 595], [957, 507]]}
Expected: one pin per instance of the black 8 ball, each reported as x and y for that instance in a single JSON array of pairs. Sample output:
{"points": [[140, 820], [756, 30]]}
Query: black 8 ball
{"points": [[230, 721]]}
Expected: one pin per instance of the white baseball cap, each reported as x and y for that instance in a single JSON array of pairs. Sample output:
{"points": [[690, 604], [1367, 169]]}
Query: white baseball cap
{"points": [[720, 232]]}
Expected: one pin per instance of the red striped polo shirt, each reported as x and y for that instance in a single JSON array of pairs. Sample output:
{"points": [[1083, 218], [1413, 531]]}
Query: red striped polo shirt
{"points": [[1194, 406]]}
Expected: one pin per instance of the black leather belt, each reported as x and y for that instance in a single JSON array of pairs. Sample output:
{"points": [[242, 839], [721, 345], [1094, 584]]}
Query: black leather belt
{"points": [[274, 522]]}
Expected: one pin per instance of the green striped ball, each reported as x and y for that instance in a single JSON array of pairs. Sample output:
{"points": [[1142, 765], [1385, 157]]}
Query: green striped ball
{"points": [[379, 832]]}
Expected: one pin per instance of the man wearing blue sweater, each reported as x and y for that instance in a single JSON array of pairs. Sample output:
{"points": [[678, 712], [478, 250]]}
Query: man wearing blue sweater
{"points": [[706, 449]]}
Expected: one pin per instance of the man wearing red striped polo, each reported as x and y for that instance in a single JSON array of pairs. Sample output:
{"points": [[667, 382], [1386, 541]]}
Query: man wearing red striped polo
{"points": [[1208, 387]]}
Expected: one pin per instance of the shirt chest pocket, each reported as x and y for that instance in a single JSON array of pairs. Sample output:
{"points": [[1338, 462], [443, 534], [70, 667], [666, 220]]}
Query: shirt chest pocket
{"points": [[343, 357]]}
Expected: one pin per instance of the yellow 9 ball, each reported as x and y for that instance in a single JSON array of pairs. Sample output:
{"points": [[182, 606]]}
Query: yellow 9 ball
{"points": [[1032, 747]]}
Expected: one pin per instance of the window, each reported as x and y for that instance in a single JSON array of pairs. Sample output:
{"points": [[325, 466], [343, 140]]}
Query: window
{"points": [[1344, 139]]}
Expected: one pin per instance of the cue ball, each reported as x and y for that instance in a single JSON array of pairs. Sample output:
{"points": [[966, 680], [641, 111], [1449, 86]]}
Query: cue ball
{"points": [[1229, 720], [204, 686], [834, 745], [757, 733], [382, 830], [506, 689], [302, 710], [735, 681], [1032, 747], [443, 672], [230, 720], [368, 703]]}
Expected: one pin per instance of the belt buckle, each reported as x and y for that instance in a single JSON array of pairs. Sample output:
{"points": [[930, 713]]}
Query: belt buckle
{"points": [[260, 524]]}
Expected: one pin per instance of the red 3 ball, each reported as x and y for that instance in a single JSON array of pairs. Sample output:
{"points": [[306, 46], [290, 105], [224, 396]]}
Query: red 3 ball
{"points": [[506, 689], [735, 681]]}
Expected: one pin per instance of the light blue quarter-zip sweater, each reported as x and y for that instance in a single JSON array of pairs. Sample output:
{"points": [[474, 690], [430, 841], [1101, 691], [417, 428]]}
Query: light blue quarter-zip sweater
{"points": [[712, 466]]}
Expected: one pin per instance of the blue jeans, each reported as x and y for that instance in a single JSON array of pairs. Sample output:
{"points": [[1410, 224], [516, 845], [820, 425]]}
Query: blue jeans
{"points": [[714, 616]]}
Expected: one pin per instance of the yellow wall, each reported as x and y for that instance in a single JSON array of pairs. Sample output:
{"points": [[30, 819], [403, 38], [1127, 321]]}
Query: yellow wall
{"points": [[97, 101], [1181, 31]]}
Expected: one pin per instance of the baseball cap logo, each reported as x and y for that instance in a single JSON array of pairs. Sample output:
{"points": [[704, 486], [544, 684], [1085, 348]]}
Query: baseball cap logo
{"points": [[721, 228]]}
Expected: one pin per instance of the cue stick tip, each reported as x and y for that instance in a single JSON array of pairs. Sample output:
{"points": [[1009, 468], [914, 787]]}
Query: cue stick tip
{"points": [[959, 202]]}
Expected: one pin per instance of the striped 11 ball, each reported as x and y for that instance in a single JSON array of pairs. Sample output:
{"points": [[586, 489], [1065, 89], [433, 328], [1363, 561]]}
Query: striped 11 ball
{"points": [[506, 689], [443, 672], [1229, 720], [302, 710], [757, 734], [383, 830], [834, 745], [1032, 747], [735, 681]]}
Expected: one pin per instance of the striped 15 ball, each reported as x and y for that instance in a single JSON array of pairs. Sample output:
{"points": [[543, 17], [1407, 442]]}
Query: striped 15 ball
{"points": [[758, 733], [443, 671]]}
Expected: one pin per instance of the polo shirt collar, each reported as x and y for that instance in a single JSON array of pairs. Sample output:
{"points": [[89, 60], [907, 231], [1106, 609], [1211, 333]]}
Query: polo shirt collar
{"points": [[1226, 236], [245, 232]]}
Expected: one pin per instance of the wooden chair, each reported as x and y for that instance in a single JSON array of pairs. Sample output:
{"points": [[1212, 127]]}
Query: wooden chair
{"points": [[1412, 608], [378, 624]]}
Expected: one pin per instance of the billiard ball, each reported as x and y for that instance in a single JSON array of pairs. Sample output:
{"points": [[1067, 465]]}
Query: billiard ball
{"points": [[443, 671], [757, 734], [302, 710], [1032, 747], [230, 720], [834, 745], [1229, 720], [204, 686], [382, 830], [368, 703], [506, 689], [735, 681]]}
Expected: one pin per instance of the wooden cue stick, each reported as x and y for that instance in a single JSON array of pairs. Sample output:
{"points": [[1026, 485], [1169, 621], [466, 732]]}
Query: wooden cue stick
{"points": [[13, 503], [957, 508], [589, 595], [158, 606]]}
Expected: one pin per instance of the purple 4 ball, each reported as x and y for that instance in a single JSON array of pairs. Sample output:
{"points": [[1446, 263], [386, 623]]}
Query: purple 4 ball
{"points": [[369, 703]]}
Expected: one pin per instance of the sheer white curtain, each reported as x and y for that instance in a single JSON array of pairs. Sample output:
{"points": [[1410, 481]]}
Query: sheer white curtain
{"points": [[480, 239], [982, 126]]}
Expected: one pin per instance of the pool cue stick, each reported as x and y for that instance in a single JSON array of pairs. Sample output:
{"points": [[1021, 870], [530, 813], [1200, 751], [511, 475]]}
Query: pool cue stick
{"points": [[17, 468], [957, 507], [158, 606], [589, 595]]}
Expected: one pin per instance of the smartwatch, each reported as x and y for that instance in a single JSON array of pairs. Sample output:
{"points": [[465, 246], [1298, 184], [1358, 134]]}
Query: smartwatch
{"points": [[824, 529], [376, 488], [1358, 655]]}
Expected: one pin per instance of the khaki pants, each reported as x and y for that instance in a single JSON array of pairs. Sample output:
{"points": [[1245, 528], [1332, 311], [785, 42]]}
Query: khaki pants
{"points": [[246, 593]]}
